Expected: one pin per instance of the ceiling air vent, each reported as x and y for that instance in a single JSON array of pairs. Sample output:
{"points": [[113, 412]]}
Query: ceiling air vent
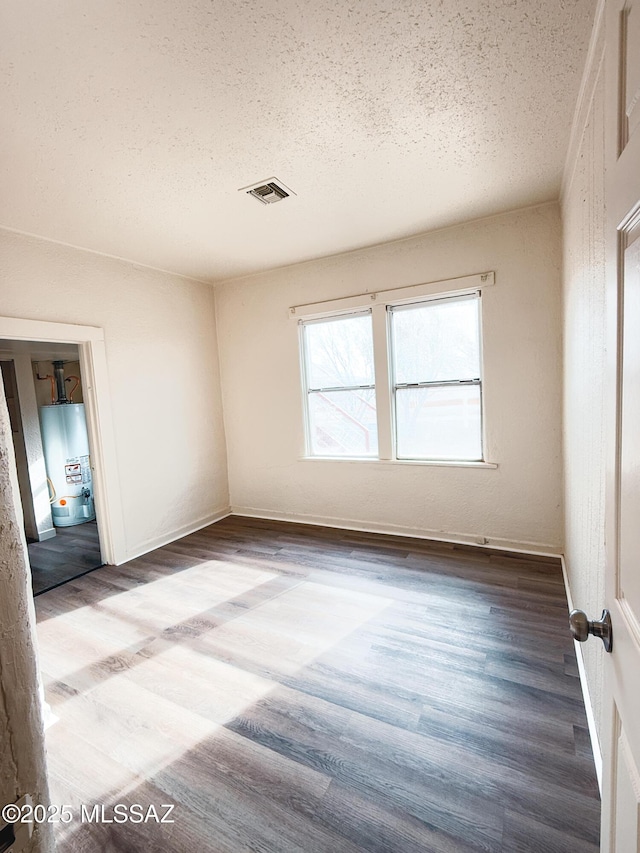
{"points": [[269, 191]]}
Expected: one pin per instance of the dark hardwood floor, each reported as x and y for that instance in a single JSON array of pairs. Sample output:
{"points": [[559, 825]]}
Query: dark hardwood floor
{"points": [[71, 552], [292, 688]]}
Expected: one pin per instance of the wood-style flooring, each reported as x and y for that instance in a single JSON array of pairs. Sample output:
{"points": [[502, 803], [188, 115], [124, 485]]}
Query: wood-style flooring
{"points": [[71, 552], [294, 689]]}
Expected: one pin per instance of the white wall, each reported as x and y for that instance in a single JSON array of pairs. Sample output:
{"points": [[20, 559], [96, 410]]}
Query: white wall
{"points": [[163, 376], [516, 505], [583, 215]]}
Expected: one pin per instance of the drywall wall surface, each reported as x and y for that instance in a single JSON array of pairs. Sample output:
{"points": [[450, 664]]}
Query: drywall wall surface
{"points": [[22, 762], [583, 213], [163, 376], [518, 504]]}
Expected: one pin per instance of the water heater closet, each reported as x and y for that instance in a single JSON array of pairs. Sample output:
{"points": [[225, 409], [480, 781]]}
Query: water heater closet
{"points": [[66, 454]]}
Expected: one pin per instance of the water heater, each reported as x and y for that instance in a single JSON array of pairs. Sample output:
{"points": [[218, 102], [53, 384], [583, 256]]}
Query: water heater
{"points": [[66, 455]]}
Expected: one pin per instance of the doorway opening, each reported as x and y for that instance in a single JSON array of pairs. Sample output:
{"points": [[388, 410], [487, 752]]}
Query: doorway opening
{"points": [[66, 341], [43, 386]]}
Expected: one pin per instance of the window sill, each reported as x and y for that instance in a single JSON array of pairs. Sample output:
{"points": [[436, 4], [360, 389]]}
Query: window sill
{"points": [[442, 463]]}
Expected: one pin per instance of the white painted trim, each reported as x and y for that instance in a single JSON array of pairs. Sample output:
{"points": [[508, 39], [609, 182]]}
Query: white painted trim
{"points": [[536, 549], [588, 706], [630, 620], [19, 329], [449, 287], [631, 765], [102, 444], [436, 463], [38, 497], [383, 393], [46, 534], [381, 331], [591, 721], [93, 366], [168, 538]]}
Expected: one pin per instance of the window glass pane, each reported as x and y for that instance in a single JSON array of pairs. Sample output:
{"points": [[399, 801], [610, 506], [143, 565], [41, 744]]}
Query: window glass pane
{"points": [[437, 341], [343, 423], [439, 422], [340, 352]]}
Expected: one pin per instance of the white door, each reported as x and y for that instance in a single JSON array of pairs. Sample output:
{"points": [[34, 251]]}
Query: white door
{"points": [[621, 743]]}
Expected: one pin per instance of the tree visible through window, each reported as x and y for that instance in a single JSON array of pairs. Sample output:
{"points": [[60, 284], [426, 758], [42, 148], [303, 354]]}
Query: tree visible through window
{"points": [[341, 386], [433, 392], [435, 350]]}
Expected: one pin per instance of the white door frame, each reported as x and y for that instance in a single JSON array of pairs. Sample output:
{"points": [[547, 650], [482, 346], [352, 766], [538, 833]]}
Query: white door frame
{"points": [[93, 367]]}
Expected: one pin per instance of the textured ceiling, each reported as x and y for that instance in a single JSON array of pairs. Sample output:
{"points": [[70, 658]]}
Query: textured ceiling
{"points": [[128, 126]]}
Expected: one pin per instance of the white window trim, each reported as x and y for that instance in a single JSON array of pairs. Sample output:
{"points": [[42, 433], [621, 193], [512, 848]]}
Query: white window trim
{"points": [[377, 303], [434, 300], [431, 463], [351, 304], [308, 389]]}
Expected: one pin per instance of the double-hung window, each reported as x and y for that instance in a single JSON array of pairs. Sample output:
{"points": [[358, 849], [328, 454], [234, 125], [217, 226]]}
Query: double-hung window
{"points": [[340, 386], [435, 351], [400, 380]]}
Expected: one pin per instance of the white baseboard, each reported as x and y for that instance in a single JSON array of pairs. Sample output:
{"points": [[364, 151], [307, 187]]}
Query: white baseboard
{"points": [[167, 538], [588, 706], [49, 533], [535, 548]]}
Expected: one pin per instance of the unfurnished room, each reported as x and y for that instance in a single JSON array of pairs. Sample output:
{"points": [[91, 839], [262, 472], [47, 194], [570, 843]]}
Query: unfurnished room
{"points": [[319, 427]]}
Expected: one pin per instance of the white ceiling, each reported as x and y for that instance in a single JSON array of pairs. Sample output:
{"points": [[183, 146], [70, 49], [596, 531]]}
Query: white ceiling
{"points": [[128, 126]]}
